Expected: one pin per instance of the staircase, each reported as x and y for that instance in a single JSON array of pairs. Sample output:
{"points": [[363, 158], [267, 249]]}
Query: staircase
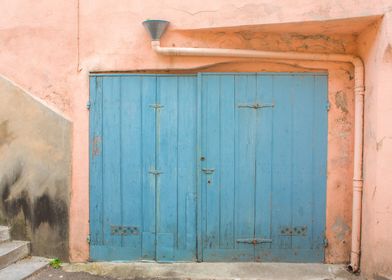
{"points": [[15, 262]]}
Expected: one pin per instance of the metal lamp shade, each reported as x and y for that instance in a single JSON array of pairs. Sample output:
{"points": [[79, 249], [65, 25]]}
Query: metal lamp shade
{"points": [[155, 28]]}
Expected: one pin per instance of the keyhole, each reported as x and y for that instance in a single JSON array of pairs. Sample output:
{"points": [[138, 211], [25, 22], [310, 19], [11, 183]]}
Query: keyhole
{"points": [[209, 181]]}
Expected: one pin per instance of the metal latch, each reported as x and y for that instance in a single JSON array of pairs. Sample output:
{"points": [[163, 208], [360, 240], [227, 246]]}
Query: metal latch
{"points": [[208, 170], [254, 241], [255, 106]]}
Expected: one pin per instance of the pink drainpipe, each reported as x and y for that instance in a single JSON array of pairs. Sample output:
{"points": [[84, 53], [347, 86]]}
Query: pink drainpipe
{"points": [[359, 105]]}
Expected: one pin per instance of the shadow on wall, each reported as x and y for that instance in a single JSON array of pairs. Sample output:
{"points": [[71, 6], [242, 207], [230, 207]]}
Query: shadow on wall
{"points": [[35, 173]]}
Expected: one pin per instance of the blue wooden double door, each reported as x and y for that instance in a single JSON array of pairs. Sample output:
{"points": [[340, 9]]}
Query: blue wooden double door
{"points": [[208, 167]]}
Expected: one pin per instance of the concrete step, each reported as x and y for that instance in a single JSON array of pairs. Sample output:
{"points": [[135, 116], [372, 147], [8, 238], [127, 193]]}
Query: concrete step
{"points": [[12, 251], [4, 234], [23, 268]]}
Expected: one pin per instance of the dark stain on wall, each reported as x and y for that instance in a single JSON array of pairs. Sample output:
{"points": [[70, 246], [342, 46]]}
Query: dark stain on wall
{"points": [[42, 210], [55, 213], [12, 207], [5, 136], [341, 101]]}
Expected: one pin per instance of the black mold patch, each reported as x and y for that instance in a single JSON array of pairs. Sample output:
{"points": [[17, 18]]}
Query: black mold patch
{"points": [[52, 212], [12, 206], [38, 211]]}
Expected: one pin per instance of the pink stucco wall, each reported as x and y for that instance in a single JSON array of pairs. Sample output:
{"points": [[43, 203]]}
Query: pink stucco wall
{"points": [[375, 47], [50, 47]]}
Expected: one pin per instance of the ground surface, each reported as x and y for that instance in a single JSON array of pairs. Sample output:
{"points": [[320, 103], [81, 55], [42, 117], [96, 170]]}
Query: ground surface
{"points": [[196, 271], [55, 274]]}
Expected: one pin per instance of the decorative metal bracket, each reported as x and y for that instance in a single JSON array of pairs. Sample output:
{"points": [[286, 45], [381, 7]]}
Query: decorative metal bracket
{"points": [[124, 230], [294, 231], [255, 106]]}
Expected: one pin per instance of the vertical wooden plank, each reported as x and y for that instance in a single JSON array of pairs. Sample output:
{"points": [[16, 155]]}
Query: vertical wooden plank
{"points": [[131, 160], [212, 155], [167, 162], [282, 161], [111, 158], [245, 91], [148, 136], [227, 162], [319, 172], [96, 169], [264, 127], [186, 233], [201, 139], [302, 157]]}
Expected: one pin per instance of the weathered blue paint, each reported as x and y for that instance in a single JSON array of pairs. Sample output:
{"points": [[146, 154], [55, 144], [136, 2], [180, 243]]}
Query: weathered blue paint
{"points": [[265, 136], [218, 167], [143, 167]]}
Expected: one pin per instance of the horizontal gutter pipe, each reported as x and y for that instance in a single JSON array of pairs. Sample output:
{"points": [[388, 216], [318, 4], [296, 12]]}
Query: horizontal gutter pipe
{"points": [[359, 90]]}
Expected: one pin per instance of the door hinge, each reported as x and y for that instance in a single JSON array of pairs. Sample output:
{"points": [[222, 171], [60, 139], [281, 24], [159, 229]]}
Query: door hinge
{"points": [[255, 106], [156, 106], [88, 105], [88, 239], [328, 106], [325, 242], [254, 241], [155, 172], [208, 170]]}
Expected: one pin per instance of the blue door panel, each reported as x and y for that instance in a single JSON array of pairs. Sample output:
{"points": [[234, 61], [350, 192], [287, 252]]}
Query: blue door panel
{"points": [[263, 164], [264, 149], [147, 135], [176, 159], [214, 167], [143, 167], [96, 197]]}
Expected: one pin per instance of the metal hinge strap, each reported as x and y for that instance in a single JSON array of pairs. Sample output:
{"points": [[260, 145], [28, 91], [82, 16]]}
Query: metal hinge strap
{"points": [[254, 241], [208, 170], [156, 106], [155, 172], [328, 106], [255, 106]]}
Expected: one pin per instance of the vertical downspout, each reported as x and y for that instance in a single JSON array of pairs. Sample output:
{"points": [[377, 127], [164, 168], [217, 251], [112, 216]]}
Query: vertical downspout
{"points": [[359, 92], [359, 89]]}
